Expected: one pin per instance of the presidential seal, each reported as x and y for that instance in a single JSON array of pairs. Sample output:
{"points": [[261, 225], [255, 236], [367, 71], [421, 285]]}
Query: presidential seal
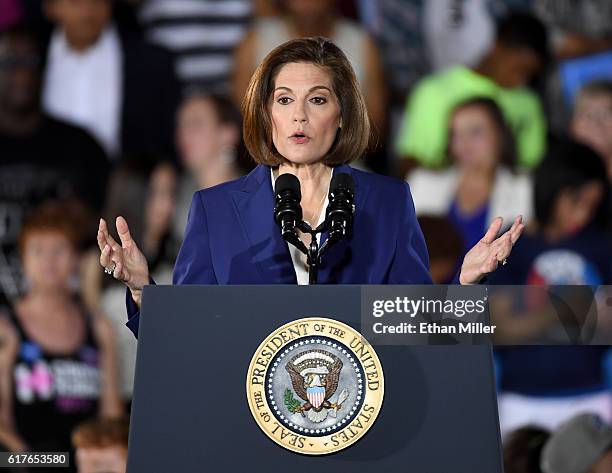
{"points": [[315, 386]]}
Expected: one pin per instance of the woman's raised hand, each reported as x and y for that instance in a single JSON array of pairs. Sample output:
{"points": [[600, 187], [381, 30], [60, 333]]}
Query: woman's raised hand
{"points": [[485, 256], [125, 261]]}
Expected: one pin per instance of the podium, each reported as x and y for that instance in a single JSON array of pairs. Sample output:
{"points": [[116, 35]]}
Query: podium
{"points": [[190, 411]]}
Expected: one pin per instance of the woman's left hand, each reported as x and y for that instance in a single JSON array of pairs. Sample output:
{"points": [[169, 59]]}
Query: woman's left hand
{"points": [[486, 255]]}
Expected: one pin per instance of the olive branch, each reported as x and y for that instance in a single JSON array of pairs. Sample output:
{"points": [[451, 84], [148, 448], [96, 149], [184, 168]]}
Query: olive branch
{"points": [[291, 403]]}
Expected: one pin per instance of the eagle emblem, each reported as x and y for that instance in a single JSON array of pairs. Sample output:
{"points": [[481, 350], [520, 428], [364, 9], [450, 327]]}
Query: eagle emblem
{"points": [[314, 377], [315, 386]]}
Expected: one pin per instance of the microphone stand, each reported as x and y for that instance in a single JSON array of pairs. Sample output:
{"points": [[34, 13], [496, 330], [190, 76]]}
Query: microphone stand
{"points": [[313, 252], [341, 203]]}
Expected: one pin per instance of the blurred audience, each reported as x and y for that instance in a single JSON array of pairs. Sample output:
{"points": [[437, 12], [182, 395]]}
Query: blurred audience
{"points": [[522, 450], [209, 137], [121, 89], [592, 119], [581, 37], [481, 184], [416, 36], [144, 192], [101, 446], [577, 28], [564, 245], [202, 35], [42, 158], [58, 360], [519, 53], [302, 18], [474, 120], [397, 26], [457, 32], [583, 444], [566, 81]]}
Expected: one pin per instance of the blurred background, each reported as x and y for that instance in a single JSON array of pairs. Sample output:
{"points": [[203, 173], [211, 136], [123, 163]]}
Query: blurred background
{"points": [[127, 107]]}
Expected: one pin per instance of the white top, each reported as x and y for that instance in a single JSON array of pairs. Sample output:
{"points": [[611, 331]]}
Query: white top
{"points": [[434, 191], [297, 257], [457, 32], [86, 88]]}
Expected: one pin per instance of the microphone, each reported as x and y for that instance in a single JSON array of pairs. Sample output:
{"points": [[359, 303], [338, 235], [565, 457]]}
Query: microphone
{"points": [[287, 210], [341, 208]]}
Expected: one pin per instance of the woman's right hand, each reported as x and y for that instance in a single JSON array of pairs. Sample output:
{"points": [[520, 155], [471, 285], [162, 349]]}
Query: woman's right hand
{"points": [[129, 264]]}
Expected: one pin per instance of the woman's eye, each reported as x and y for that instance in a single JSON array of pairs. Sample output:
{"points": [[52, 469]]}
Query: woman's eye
{"points": [[284, 100], [318, 100]]}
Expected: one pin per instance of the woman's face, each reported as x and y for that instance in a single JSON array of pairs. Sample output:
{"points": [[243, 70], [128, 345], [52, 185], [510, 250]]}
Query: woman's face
{"points": [[592, 124], [49, 260], [474, 139], [83, 21], [305, 113], [575, 209], [198, 133], [110, 459]]}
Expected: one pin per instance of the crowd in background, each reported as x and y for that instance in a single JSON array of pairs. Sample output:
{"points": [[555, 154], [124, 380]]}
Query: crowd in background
{"points": [[126, 107]]}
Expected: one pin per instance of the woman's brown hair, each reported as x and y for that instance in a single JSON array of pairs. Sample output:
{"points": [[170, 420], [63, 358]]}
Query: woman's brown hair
{"points": [[102, 433], [352, 138], [69, 219]]}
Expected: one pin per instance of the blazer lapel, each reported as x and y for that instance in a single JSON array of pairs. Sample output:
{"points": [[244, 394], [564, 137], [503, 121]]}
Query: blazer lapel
{"points": [[339, 256], [254, 203]]}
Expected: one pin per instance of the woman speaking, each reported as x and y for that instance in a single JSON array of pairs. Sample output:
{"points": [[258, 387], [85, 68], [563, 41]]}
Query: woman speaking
{"points": [[304, 115]]}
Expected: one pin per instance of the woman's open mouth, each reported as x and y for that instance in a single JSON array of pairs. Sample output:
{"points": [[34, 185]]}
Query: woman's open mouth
{"points": [[299, 138]]}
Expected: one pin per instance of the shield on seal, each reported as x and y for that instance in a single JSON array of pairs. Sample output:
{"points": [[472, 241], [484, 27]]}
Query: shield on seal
{"points": [[316, 396]]}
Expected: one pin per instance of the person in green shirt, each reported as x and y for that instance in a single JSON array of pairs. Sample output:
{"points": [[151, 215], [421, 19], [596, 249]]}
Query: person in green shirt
{"points": [[520, 51]]}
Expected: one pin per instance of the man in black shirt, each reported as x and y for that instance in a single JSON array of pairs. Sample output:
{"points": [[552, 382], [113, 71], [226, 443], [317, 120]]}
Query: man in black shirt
{"points": [[40, 158]]}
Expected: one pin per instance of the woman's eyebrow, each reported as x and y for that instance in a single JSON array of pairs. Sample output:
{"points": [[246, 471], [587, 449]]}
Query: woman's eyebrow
{"points": [[316, 87], [319, 87]]}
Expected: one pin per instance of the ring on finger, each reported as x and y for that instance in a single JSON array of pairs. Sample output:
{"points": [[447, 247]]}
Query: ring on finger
{"points": [[110, 270]]}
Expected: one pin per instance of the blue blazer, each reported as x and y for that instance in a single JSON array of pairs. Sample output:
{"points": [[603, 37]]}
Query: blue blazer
{"points": [[232, 238]]}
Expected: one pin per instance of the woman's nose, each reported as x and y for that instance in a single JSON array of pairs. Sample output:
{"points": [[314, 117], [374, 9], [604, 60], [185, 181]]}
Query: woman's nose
{"points": [[299, 114]]}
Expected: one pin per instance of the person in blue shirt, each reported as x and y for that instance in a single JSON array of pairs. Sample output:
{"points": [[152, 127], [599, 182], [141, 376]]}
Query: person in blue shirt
{"points": [[565, 245], [304, 115]]}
